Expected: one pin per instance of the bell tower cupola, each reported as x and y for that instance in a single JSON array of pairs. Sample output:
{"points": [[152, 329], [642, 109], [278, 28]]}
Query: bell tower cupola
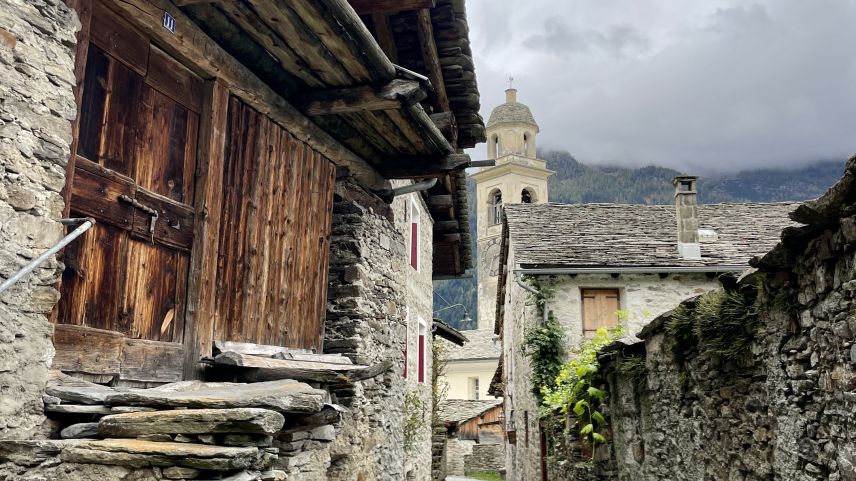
{"points": [[518, 177], [511, 129]]}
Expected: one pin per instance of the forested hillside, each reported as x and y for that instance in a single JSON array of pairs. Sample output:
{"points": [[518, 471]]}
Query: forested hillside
{"points": [[575, 183]]}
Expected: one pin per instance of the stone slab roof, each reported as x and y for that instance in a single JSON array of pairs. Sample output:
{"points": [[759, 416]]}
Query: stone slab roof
{"points": [[510, 112], [460, 410], [636, 235], [482, 344]]}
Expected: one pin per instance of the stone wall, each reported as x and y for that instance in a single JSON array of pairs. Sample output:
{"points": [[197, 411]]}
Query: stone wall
{"points": [[485, 457], [366, 322], [643, 296], [37, 41], [419, 298], [785, 411]]}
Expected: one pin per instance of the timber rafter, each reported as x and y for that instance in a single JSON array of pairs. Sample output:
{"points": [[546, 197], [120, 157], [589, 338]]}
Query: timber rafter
{"points": [[392, 96]]}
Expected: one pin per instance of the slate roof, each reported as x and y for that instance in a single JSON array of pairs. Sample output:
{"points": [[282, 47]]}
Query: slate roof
{"points": [[511, 112], [460, 410], [482, 344], [635, 235]]}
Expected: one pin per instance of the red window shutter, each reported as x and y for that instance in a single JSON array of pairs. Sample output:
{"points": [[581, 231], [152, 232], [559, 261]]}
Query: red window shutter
{"points": [[405, 354], [422, 358], [414, 245]]}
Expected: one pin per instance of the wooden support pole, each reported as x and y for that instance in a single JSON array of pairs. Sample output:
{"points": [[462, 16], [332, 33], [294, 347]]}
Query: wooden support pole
{"points": [[431, 58], [191, 45], [391, 96], [201, 306], [385, 37]]}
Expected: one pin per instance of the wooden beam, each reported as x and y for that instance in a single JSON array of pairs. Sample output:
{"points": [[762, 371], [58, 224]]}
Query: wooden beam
{"points": [[431, 58], [391, 96], [421, 167], [186, 3], [443, 201], [201, 301], [388, 6], [447, 125], [191, 45], [385, 37], [447, 238], [446, 226]]}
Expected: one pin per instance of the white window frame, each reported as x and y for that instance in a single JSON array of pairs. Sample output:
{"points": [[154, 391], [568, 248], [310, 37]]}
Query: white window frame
{"points": [[422, 338], [415, 219]]}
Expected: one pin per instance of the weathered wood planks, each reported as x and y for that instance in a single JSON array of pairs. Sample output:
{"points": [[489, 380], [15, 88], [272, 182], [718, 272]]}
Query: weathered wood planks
{"points": [[88, 350], [393, 95], [274, 236], [376, 6], [191, 44]]}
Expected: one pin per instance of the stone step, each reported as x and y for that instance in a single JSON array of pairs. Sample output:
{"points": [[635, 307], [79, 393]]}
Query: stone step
{"points": [[143, 454], [283, 396], [192, 421], [75, 391], [256, 368]]}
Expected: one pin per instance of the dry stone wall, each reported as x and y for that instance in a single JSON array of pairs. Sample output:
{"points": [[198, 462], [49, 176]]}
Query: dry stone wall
{"points": [[366, 322], [37, 41], [788, 411]]}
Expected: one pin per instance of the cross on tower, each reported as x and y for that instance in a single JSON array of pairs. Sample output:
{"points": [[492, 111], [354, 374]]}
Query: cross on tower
{"points": [[511, 82]]}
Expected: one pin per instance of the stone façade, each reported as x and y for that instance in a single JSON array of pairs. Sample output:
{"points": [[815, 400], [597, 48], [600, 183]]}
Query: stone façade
{"points": [[787, 413], [37, 40]]}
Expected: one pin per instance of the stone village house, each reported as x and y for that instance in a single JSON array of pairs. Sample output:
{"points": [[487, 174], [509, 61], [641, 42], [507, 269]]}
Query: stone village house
{"points": [[604, 258], [270, 188]]}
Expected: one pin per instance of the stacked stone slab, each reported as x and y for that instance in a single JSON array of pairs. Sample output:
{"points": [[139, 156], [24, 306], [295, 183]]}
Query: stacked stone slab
{"points": [[185, 430]]}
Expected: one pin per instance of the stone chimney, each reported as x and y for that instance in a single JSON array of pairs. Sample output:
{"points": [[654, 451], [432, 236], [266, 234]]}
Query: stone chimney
{"points": [[686, 211], [511, 96]]}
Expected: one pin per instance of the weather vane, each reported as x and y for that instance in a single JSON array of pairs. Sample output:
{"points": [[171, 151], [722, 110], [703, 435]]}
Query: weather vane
{"points": [[511, 82]]}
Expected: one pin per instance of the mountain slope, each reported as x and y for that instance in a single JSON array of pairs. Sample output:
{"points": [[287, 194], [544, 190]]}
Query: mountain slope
{"points": [[576, 182]]}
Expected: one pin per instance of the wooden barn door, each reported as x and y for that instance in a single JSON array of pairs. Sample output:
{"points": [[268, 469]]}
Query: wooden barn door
{"points": [[124, 287]]}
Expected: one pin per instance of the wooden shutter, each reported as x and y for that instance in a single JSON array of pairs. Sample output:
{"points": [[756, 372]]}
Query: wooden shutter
{"points": [[414, 245], [421, 357], [600, 308]]}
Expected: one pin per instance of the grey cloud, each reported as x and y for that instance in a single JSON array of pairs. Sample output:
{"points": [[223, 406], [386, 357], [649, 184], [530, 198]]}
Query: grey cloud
{"points": [[560, 39], [720, 85]]}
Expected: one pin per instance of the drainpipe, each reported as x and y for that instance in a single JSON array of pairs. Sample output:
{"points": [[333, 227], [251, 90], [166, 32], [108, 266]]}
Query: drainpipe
{"points": [[519, 280]]}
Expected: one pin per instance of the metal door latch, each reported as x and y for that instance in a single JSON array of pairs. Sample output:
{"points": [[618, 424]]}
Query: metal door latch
{"points": [[143, 207]]}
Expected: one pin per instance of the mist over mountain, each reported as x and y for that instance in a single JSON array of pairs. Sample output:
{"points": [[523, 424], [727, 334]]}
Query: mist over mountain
{"points": [[575, 182]]}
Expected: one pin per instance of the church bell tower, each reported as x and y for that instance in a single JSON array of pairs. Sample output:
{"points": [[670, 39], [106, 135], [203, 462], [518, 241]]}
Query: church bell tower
{"points": [[518, 177]]}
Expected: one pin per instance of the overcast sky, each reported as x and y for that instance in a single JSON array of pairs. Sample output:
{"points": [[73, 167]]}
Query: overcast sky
{"points": [[698, 85]]}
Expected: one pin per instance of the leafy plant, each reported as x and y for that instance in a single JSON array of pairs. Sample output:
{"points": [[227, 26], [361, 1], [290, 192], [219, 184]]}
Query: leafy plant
{"points": [[544, 346], [720, 323], [574, 392], [414, 419], [439, 387]]}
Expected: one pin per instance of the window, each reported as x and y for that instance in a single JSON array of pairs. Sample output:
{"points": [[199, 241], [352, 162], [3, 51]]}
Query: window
{"points": [[422, 348], [495, 213], [496, 147], [474, 388], [600, 309], [527, 196], [414, 234], [526, 425], [525, 144]]}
